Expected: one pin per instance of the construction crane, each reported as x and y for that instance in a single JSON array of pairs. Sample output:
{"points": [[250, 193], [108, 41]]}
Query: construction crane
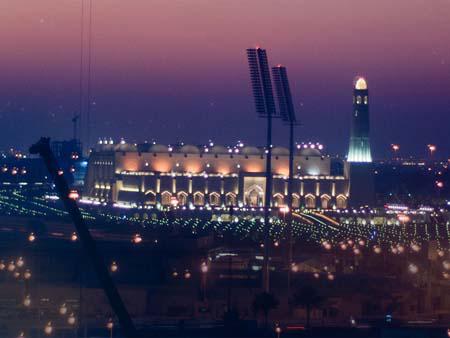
{"points": [[42, 147]]}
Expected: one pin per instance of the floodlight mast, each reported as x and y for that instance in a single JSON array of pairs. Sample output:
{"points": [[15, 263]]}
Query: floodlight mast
{"points": [[287, 111], [265, 107]]}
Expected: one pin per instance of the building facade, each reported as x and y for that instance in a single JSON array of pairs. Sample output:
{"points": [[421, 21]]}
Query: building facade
{"points": [[216, 176]]}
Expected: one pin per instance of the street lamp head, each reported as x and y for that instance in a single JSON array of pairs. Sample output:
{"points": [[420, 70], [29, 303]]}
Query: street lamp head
{"points": [[11, 266], [27, 301], [71, 319], [204, 267], [137, 239], [20, 262], [74, 237], [31, 237], [63, 309], [48, 328], [27, 274], [413, 268], [114, 267]]}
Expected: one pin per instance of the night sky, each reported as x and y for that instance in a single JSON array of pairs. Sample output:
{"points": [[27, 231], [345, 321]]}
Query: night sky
{"points": [[177, 71]]}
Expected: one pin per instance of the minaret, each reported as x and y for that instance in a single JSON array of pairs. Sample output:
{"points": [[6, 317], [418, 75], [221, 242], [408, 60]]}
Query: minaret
{"points": [[362, 189], [359, 150]]}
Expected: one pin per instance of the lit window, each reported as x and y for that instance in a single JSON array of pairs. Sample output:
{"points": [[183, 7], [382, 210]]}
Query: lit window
{"points": [[366, 100], [358, 100]]}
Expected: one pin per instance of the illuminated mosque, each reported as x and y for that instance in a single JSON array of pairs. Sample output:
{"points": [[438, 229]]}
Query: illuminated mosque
{"points": [[212, 175], [190, 176]]}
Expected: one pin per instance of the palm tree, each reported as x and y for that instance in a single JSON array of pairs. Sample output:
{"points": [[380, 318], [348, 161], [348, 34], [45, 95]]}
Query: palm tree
{"points": [[264, 302], [308, 298]]}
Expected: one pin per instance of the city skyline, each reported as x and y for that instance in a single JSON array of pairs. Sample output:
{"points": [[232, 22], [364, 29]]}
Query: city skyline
{"points": [[171, 83]]}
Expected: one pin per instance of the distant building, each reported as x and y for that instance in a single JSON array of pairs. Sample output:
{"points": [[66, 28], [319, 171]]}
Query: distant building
{"points": [[187, 175]]}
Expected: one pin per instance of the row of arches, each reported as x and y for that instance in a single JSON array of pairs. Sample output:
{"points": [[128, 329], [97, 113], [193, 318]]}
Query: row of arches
{"points": [[199, 198], [253, 199]]}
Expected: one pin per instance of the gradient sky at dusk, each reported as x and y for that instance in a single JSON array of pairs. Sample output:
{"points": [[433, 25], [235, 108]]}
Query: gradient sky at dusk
{"points": [[176, 70]]}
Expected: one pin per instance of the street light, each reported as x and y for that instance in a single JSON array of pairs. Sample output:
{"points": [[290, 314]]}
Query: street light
{"points": [[2, 265], [187, 274], [27, 274], [114, 267], [27, 301], [278, 330], [63, 309], [395, 148], [431, 149], [137, 239], [110, 326], [48, 328], [204, 267], [20, 262], [21, 335], [71, 319], [74, 237], [11, 266], [413, 268], [31, 237]]}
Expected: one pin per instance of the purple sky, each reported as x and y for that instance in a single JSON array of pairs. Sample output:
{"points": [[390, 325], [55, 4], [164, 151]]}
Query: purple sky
{"points": [[176, 70]]}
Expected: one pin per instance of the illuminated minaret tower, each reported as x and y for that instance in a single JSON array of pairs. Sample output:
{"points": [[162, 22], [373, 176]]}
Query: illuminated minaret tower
{"points": [[359, 150]]}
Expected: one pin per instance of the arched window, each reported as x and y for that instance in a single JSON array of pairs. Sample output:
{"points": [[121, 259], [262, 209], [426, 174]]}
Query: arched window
{"points": [[150, 197], [214, 199], [254, 196], [358, 100], [230, 199], [310, 201], [182, 198], [165, 198], [325, 201], [341, 202], [366, 100], [295, 201], [199, 198], [278, 200]]}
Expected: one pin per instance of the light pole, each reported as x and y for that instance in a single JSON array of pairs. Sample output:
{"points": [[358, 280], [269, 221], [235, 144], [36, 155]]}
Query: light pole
{"points": [[110, 327], [278, 330], [48, 329], [71, 320], [287, 111], [395, 148], [204, 270], [431, 149], [265, 107]]}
